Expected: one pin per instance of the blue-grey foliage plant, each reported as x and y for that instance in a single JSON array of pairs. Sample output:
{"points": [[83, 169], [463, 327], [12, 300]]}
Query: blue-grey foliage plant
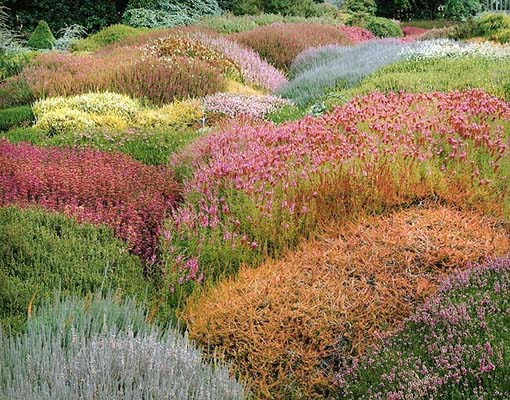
{"points": [[102, 348], [317, 71]]}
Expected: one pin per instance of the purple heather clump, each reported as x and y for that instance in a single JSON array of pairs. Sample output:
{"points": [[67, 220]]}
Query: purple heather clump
{"points": [[454, 347], [254, 69]]}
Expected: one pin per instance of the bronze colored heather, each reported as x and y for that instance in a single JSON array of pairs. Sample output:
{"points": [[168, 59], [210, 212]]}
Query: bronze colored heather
{"points": [[285, 323], [279, 44]]}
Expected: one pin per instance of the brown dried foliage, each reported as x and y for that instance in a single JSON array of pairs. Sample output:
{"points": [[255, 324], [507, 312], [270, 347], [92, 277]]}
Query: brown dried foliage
{"points": [[287, 323]]}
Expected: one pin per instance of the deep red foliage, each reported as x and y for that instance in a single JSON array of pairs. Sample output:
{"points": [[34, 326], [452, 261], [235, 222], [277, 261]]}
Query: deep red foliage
{"points": [[93, 186]]}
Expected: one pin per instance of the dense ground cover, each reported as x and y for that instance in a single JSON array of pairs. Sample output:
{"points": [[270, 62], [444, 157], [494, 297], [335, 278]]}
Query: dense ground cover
{"points": [[287, 324], [214, 180], [456, 345], [98, 187]]}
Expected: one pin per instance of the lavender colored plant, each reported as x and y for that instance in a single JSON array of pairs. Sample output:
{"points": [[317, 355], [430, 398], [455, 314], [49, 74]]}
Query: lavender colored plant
{"points": [[254, 69], [321, 69], [234, 105]]}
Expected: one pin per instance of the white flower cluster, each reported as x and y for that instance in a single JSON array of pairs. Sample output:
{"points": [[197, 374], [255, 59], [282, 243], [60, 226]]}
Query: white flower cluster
{"points": [[438, 48]]}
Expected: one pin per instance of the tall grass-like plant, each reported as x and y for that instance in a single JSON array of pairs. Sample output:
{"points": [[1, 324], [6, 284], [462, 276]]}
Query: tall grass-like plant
{"points": [[10, 40], [320, 70], [98, 348]]}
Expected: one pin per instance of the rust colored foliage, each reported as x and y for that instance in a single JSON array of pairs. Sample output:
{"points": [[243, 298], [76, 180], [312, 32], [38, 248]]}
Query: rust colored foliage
{"points": [[287, 324], [279, 43]]}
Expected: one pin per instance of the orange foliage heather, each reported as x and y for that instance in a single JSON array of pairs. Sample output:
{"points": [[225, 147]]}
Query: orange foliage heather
{"points": [[280, 43], [286, 324]]}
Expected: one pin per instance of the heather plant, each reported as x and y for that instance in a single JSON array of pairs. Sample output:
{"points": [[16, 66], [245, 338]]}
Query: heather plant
{"points": [[12, 117], [13, 63], [41, 251], [452, 48], [386, 266], [319, 70], [42, 37], [379, 26], [121, 70], [92, 186], [443, 74], [456, 345], [103, 348], [181, 46], [356, 34], [279, 44], [254, 70], [234, 105], [255, 190], [490, 24], [227, 23]]}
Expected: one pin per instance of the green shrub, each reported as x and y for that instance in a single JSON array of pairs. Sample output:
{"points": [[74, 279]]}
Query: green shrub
{"points": [[442, 75], [360, 6], [41, 251], [103, 348], [104, 37], [503, 36], [491, 24], [382, 27], [12, 117], [460, 10], [12, 64], [150, 146], [42, 38]]}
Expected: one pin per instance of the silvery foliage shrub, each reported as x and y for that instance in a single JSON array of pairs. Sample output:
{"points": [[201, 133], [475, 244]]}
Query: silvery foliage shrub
{"points": [[67, 35], [99, 348], [448, 48], [317, 71], [166, 14]]}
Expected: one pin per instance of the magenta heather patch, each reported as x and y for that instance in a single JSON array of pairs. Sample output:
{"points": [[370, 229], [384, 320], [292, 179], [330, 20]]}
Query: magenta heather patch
{"points": [[93, 186], [356, 34]]}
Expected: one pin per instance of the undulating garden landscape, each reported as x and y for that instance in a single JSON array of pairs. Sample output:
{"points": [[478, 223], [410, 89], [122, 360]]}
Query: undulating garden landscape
{"points": [[254, 199]]}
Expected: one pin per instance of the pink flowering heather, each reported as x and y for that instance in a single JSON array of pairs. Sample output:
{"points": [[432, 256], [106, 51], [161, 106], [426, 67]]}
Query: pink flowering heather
{"points": [[356, 34], [93, 186], [234, 105], [455, 347], [258, 188], [254, 69]]}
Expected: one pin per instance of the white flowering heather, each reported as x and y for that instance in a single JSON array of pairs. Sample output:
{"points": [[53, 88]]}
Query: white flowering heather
{"points": [[438, 48], [254, 69], [316, 71], [234, 105], [99, 349]]}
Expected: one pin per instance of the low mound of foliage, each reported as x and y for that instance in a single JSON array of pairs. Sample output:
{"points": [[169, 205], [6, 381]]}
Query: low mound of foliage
{"points": [[279, 44], [105, 37], [103, 348], [43, 251], [97, 187], [256, 189], [286, 324], [455, 347], [440, 74], [16, 116], [319, 70]]}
